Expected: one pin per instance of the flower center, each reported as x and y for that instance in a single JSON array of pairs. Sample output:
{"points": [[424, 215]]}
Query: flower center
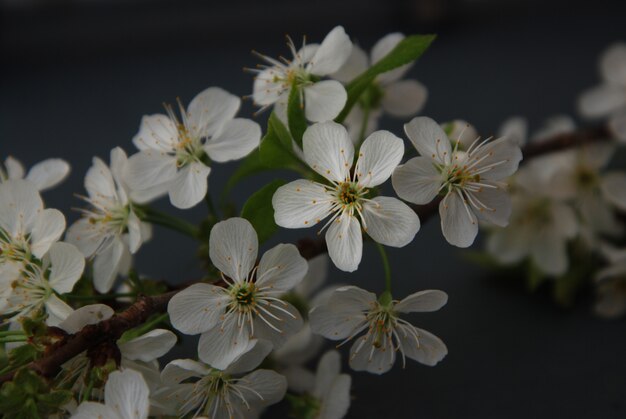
{"points": [[16, 249], [382, 321], [244, 297], [586, 178], [350, 194]]}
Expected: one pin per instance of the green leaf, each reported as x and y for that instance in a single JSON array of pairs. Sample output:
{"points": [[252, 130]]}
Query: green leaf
{"points": [[408, 50], [276, 151], [249, 166], [259, 211], [295, 114]]}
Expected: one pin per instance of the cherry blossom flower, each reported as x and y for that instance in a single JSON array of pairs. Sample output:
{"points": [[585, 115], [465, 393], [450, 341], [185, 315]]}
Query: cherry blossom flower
{"points": [[126, 396], [352, 310], [609, 98], [322, 99], [541, 224], [175, 154], [388, 93], [471, 181], [611, 284], [44, 175], [345, 198], [249, 307], [110, 230], [199, 390]]}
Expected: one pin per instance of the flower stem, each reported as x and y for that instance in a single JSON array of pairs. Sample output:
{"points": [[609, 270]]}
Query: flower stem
{"points": [[210, 205], [98, 297], [386, 266], [7, 339], [169, 221], [11, 333], [364, 124]]}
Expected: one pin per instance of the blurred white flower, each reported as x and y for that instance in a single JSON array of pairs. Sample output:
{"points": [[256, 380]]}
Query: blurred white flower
{"points": [[471, 181], [611, 284], [541, 223], [44, 175], [386, 94], [194, 388], [126, 396], [109, 231], [249, 307], [303, 203], [609, 98], [351, 310], [36, 286], [322, 99], [175, 154]]}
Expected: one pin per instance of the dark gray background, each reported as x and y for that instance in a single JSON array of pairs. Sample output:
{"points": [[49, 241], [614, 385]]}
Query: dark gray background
{"points": [[78, 76]]}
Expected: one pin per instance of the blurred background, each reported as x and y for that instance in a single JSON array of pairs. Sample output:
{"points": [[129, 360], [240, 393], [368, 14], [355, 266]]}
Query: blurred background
{"points": [[76, 77]]}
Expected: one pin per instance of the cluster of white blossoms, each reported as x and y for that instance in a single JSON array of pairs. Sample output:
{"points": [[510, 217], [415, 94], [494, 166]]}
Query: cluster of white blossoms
{"points": [[262, 320]]}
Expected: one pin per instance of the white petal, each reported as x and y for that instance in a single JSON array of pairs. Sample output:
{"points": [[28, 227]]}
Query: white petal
{"points": [[564, 219], [372, 356], [224, 343], [197, 308], [332, 53], [315, 276], [549, 252], [458, 223], [281, 268], [509, 245], [343, 313], [328, 368], [99, 181], [617, 124], [429, 139], [356, 64], [417, 181], [614, 189], [498, 205], [210, 110], [57, 310], [189, 186], [233, 247], [288, 324], [157, 132], [90, 314], [516, 130], [67, 266], [379, 155], [601, 101], [237, 139], [301, 203], [613, 64], [149, 346], [20, 204], [48, 173], [91, 410], [106, 266], [428, 350], [503, 153], [127, 392], [251, 358], [266, 90], [422, 301], [134, 232], [383, 47], [337, 401], [15, 169], [86, 236], [404, 98], [270, 385], [390, 221], [328, 150], [181, 369], [345, 243], [48, 228], [300, 380], [149, 169], [324, 100]]}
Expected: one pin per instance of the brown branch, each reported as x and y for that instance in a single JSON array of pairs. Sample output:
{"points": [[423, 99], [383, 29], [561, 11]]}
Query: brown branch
{"points": [[111, 329]]}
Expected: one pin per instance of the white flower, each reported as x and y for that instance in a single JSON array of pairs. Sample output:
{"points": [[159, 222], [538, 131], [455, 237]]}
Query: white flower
{"points": [[541, 224], [611, 284], [328, 396], [352, 310], [109, 231], [388, 93], [195, 388], [126, 396], [304, 203], [35, 287], [249, 307], [609, 98], [174, 154], [471, 181], [27, 230], [322, 100], [44, 175]]}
